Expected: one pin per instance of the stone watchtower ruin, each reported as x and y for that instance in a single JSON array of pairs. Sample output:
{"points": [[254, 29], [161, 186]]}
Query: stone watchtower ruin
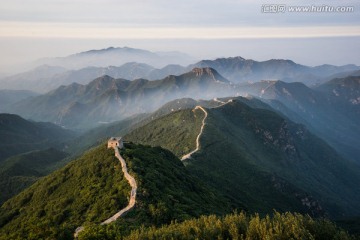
{"points": [[115, 142]]}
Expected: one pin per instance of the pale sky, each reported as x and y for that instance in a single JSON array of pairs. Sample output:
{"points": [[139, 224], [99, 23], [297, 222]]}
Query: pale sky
{"points": [[32, 29]]}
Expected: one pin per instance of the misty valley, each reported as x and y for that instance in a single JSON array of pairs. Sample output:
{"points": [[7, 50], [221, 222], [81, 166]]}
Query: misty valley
{"points": [[226, 148]]}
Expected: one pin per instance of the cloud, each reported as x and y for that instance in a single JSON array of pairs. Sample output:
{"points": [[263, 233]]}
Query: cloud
{"points": [[61, 30], [40, 28], [185, 13]]}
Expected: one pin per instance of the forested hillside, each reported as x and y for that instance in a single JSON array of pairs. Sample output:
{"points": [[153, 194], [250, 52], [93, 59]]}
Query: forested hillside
{"points": [[92, 188], [260, 160], [233, 226], [20, 171]]}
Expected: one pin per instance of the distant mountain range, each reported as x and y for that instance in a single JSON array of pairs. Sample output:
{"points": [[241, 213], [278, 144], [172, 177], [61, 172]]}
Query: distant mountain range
{"points": [[330, 110], [236, 69], [50, 78], [116, 56], [240, 70], [107, 99]]}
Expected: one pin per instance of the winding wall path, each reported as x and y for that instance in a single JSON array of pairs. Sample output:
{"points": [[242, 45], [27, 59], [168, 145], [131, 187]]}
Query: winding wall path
{"points": [[198, 137], [217, 100], [133, 185], [222, 103], [132, 200], [202, 127]]}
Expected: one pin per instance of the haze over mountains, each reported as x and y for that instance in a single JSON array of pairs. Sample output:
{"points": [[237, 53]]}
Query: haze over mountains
{"points": [[9, 97], [18, 135], [334, 117], [107, 99], [117, 56], [130, 64], [263, 135], [269, 163]]}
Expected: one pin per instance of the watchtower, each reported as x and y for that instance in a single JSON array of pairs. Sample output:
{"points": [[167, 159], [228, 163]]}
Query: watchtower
{"points": [[115, 142]]}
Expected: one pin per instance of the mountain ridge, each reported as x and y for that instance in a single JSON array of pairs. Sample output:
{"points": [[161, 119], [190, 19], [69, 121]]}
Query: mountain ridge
{"points": [[240, 70], [114, 56], [331, 117], [277, 152], [235, 69], [103, 95]]}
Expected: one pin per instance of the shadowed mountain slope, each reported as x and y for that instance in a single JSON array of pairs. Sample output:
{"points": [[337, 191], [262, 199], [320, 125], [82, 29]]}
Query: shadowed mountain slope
{"points": [[263, 161], [18, 135], [20, 171], [333, 118]]}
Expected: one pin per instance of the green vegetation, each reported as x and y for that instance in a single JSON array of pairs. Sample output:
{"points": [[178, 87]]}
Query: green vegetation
{"points": [[19, 172], [28, 150], [350, 224], [295, 162], [92, 188], [89, 189], [96, 136], [261, 161], [18, 135], [166, 190], [182, 128], [251, 159], [234, 226]]}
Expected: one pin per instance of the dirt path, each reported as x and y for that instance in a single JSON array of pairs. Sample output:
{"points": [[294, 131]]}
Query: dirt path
{"points": [[198, 137], [132, 200]]}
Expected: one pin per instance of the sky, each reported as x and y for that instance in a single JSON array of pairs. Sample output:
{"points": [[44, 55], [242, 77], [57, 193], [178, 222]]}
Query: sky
{"points": [[33, 29]]}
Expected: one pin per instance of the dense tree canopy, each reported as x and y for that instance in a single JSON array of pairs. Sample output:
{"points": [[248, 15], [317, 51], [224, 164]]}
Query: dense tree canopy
{"points": [[233, 226]]}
